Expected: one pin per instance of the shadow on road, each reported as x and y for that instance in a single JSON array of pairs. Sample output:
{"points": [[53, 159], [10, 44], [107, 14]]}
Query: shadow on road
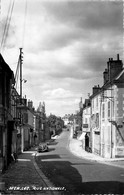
{"points": [[103, 187], [62, 174], [47, 157]]}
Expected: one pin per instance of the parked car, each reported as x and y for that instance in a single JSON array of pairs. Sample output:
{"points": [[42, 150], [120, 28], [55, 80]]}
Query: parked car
{"points": [[74, 135], [43, 147], [54, 136]]}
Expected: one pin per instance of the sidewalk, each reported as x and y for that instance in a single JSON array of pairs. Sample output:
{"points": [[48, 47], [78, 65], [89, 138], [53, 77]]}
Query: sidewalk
{"points": [[24, 177], [75, 147]]}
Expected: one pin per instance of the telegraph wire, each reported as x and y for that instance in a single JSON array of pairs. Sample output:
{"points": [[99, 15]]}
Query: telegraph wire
{"points": [[7, 24], [0, 11], [17, 74], [17, 69]]}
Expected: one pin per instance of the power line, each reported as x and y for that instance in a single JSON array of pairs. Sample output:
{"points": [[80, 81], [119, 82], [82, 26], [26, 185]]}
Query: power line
{"points": [[17, 74], [7, 24], [0, 11]]}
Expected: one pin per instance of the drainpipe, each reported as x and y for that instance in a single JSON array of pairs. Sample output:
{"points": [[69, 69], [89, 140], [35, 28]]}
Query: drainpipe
{"points": [[111, 126], [100, 126]]}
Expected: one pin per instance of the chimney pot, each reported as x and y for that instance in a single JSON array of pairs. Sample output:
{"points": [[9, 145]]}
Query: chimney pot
{"points": [[96, 89], [117, 56]]}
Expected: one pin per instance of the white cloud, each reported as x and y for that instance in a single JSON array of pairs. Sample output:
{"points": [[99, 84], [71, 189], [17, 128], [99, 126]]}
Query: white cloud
{"points": [[58, 94], [66, 47]]}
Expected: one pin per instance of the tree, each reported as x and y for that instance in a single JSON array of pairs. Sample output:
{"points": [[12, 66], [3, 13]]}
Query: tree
{"points": [[56, 124]]}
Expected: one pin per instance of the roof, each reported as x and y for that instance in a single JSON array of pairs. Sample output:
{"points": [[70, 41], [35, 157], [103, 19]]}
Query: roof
{"points": [[116, 79], [87, 103], [120, 74], [5, 67]]}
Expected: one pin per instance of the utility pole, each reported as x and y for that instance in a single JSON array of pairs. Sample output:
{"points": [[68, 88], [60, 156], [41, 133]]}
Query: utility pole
{"points": [[21, 128], [21, 61]]}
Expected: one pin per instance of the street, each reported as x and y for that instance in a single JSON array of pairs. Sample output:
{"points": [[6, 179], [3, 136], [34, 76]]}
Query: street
{"points": [[75, 175]]}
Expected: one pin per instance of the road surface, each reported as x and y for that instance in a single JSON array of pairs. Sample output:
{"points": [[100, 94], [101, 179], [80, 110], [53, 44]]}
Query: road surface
{"points": [[78, 176]]}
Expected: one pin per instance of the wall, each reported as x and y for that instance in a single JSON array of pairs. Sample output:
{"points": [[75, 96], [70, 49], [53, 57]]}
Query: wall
{"points": [[119, 149], [95, 124], [30, 119], [106, 126]]}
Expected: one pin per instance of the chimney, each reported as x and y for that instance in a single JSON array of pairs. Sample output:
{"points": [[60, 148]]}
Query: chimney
{"points": [[80, 103], [105, 76], [96, 89], [24, 101], [30, 104], [114, 67], [118, 57]]}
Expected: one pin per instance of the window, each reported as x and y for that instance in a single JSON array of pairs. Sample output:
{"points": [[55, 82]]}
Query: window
{"points": [[103, 111], [25, 118], [93, 104], [108, 135], [109, 109], [102, 135], [97, 102]]}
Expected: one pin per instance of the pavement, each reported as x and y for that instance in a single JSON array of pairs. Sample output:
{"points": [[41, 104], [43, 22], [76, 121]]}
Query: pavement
{"points": [[25, 177], [75, 146]]}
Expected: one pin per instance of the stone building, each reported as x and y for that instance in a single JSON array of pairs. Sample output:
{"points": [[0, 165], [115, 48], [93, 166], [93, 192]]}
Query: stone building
{"points": [[107, 112], [27, 130], [86, 126], [7, 128]]}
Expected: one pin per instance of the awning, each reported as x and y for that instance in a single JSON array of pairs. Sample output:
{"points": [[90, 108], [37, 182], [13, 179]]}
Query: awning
{"points": [[82, 136]]}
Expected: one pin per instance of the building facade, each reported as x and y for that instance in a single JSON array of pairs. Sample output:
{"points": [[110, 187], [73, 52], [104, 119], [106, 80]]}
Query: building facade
{"points": [[7, 129], [86, 124], [95, 119], [107, 112], [27, 128]]}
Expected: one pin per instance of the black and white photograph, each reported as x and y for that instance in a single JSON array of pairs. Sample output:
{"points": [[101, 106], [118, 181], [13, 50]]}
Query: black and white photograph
{"points": [[61, 97]]}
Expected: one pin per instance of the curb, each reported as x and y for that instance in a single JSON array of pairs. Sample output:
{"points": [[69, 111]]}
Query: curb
{"points": [[45, 180], [94, 160]]}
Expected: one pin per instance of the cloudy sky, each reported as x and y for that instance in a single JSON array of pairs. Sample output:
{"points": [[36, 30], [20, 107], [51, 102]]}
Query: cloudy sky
{"points": [[66, 46]]}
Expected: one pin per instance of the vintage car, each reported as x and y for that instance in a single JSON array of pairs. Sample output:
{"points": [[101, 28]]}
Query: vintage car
{"points": [[43, 147], [74, 135]]}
